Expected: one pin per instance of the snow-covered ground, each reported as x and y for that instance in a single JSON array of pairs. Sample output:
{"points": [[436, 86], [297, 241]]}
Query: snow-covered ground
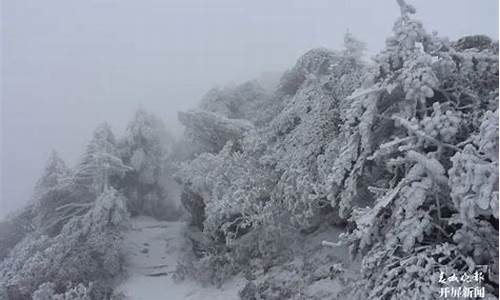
{"points": [[152, 249]]}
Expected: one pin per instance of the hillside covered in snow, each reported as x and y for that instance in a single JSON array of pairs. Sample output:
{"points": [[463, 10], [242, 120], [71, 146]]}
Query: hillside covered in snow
{"points": [[350, 179]]}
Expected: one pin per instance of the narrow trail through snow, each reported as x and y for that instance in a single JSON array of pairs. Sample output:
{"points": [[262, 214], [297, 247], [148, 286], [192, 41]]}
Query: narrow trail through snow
{"points": [[152, 249]]}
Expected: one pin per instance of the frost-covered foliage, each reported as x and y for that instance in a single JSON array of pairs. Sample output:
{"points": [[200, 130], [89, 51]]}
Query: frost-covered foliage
{"points": [[473, 178], [62, 194], [101, 162], [289, 152], [55, 174], [77, 218], [439, 190], [229, 197], [254, 188], [145, 148], [403, 150], [239, 193], [236, 192], [31, 217], [67, 244], [87, 249], [305, 135]]}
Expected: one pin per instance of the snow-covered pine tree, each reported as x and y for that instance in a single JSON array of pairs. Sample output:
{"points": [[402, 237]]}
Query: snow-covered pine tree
{"points": [[101, 162], [55, 174], [41, 210], [53, 183], [149, 186], [305, 136], [209, 133], [86, 251]]}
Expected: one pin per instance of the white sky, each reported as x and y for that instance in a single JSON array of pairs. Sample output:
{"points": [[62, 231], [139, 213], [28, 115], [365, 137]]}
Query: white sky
{"points": [[71, 64]]}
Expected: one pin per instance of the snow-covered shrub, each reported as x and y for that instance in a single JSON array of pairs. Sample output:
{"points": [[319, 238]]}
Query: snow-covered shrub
{"points": [[473, 179], [238, 197], [254, 189], [203, 177], [55, 174], [235, 192], [479, 42], [46, 292], [241, 220], [213, 269], [195, 207], [316, 62], [309, 272], [50, 193], [306, 134], [197, 185]]}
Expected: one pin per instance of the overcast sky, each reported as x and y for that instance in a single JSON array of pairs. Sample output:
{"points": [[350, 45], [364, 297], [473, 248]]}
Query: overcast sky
{"points": [[70, 64]]}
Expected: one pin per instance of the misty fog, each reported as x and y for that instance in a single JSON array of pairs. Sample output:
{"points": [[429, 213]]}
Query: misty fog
{"points": [[69, 65]]}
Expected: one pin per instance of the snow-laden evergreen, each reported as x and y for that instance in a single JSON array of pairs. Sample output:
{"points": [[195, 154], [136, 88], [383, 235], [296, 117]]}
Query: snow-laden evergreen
{"points": [[146, 147], [403, 151], [88, 249], [352, 178]]}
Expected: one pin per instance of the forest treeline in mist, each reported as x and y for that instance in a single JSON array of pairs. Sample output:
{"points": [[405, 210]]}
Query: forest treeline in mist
{"points": [[399, 154]]}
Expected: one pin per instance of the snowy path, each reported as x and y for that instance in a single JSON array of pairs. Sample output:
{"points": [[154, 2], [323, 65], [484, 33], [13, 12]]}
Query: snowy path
{"points": [[152, 249]]}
